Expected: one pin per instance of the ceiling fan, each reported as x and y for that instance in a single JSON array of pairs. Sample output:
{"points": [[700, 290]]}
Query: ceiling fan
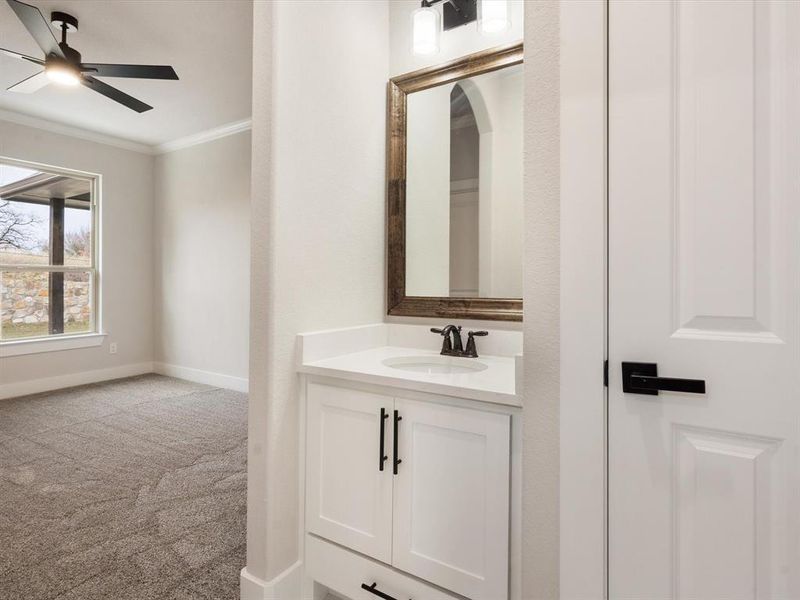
{"points": [[62, 64]]}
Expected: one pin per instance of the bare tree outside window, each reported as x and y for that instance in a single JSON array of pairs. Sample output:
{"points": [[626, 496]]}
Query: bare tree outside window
{"points": [[17, 229], [78, 243]]}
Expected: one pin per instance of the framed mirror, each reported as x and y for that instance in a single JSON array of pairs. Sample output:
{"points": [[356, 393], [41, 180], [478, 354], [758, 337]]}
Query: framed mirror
{"points": [[454, 214]]}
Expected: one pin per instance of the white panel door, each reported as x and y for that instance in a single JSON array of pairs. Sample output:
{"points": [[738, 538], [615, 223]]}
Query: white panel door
{"points": [[348, 485], [451, 498], [704, 265]]}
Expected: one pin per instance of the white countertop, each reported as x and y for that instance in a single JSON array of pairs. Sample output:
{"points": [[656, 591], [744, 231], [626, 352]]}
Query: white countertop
{"points": [[494, 384]]}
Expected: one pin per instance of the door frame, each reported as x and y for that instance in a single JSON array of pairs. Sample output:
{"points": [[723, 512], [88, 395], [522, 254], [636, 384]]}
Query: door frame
{"points": [[584, 299]]}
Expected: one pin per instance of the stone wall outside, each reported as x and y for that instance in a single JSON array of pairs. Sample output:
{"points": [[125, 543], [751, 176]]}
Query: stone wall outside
{"points": [[24, 298], [24, 294]]}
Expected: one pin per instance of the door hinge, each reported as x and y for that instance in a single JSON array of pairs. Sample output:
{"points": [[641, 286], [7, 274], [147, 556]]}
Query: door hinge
{"points": [[605, 373]]}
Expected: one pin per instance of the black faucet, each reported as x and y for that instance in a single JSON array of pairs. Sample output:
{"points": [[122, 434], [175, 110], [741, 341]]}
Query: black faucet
{"points": [[455, 347]]}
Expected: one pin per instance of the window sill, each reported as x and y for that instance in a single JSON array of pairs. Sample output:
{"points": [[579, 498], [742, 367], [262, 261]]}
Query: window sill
{"points": [[67, 342]]}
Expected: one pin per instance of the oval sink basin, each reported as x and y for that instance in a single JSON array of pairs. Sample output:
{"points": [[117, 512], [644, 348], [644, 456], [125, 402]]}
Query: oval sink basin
{"points": [[435, 365]]}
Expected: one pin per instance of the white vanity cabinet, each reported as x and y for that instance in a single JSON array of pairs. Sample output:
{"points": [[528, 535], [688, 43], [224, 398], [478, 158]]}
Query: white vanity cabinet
{"points": [[451, 497], [348, 497], [415, 484]]}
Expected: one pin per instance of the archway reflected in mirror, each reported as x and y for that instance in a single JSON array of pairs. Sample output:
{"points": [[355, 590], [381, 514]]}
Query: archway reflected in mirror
{"points": [[464, 197]]}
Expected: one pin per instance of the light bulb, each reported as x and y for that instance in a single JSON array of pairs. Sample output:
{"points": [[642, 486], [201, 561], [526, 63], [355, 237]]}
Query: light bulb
{"points": [[63, 75], [493, 16], [426, 29]]}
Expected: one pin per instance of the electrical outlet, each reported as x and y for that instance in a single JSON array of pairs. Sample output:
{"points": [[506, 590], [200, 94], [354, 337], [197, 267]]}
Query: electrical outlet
{"points": [[112, 348]]}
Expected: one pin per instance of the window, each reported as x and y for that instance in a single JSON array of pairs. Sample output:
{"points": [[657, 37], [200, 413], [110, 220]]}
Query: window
{"points": [[48, 256]]}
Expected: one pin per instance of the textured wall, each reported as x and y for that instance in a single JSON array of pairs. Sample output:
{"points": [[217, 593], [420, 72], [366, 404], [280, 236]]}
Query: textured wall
{"points": [[540, 509], [202, 273], [261, 250], [319, 99]]}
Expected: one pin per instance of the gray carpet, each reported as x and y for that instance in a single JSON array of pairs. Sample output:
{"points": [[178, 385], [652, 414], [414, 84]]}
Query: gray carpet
{"points": [[125, 490]]}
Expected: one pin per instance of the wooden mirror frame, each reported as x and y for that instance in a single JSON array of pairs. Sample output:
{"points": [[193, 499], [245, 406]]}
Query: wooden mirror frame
{"points": [[399, 304]]}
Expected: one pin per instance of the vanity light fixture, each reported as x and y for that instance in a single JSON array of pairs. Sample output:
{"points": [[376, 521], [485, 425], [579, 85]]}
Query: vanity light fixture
{"points": [[427, 26], [426, 30], [493, 16]]}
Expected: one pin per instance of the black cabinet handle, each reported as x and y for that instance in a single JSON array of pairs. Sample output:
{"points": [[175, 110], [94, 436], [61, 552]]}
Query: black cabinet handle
{"points": [[373, 589], [397, 461], [642, 378], [382, 458]]}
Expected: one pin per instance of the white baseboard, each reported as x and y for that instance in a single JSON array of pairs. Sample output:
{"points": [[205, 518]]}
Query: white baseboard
{"points": [[46, 384], [286, 586], [229, 382]]}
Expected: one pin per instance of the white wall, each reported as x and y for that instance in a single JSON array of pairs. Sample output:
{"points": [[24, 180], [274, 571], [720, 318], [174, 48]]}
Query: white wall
{"points": [[501, 183], [541, 303], [318, 211], [127, 252], [428, 193], [202, 261]]}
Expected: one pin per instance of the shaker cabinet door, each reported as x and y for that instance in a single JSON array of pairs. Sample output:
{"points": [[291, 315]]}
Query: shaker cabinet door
{"points": [[348, 496], [451, 498]]}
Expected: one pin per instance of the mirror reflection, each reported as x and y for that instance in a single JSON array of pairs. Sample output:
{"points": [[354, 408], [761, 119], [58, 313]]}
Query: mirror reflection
{"points": [[464, 188]]}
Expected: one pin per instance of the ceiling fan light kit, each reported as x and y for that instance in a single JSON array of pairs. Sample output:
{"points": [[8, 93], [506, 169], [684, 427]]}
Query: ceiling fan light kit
{"points": [[62, 63], [63, 73]]}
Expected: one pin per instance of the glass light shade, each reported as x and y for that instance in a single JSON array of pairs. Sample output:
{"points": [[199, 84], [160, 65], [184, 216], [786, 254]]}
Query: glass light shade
{"points": [[63, 75], [426, 30], [493, 16]]}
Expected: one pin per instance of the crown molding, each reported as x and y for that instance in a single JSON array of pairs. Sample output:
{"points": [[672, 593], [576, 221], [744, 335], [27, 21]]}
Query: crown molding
{"points": [[100, 138], [76, 132], [204, 136]]}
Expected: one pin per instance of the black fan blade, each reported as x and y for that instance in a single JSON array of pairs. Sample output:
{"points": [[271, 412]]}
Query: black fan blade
{"points": [[39, 29], [135, 71], [21, 56], [115, 94]]}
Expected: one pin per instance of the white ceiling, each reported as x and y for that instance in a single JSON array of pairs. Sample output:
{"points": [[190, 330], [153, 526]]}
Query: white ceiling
{"points": [[208, 42]]}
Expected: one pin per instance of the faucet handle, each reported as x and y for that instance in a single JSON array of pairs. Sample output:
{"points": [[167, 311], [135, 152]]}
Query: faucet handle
{"points": [[472, 351], [437, 330]]}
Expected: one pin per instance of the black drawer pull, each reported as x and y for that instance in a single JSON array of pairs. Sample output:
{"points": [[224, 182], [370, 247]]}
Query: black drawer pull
{"points": [[373, 589], [397, 461], [382, 458], [642, 378]]}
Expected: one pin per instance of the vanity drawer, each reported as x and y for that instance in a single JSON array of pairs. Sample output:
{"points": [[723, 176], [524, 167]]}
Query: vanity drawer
{"points": [[343, 572]]}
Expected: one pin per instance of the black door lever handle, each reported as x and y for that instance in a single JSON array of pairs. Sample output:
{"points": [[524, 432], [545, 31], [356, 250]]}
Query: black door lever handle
{"points": [[642, 378]]}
